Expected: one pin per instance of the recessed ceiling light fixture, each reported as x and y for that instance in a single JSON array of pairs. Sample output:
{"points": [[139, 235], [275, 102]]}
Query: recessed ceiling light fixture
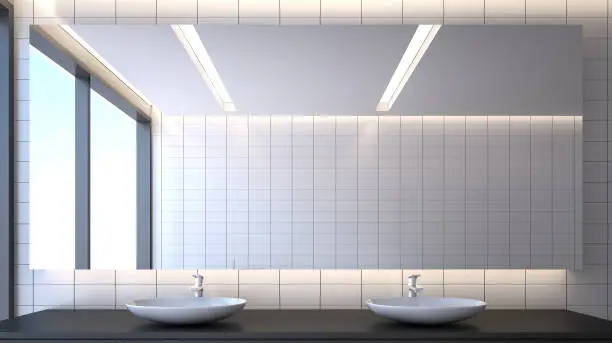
{"points": [[417, 47], [189, 37], [69, 41]]}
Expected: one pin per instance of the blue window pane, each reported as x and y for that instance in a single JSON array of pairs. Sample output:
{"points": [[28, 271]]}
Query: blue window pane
{"points": [[113, 186], [52, 164]]}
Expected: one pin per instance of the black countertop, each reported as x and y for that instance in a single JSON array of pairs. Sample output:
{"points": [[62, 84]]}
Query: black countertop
{"points": [[284, 325]]}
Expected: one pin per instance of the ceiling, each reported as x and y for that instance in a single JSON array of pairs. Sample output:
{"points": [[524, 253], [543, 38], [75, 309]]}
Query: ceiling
{"points": [[344, 70]]}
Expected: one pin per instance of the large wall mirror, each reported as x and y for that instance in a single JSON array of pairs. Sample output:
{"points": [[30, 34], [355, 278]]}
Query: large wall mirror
{"points": [[413, 146]]}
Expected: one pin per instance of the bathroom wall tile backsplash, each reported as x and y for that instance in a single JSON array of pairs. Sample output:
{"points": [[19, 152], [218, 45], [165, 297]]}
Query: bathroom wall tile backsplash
{"points": [[257, 191], [37, 290]]}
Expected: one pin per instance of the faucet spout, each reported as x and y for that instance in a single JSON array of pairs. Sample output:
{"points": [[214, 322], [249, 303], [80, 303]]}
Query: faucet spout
{"points": [[197, 288], [413, 288]]}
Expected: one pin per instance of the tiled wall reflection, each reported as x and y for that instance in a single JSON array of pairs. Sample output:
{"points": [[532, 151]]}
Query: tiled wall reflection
{"points": [[584, 290], [383, 192]]}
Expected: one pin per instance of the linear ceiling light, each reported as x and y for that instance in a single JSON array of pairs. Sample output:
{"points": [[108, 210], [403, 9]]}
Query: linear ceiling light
{"points": [[417, 47], [89, 58], [192, 43]]}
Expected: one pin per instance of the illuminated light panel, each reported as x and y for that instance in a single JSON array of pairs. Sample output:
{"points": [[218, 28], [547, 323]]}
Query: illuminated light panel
{"points": [[188, 36], [422, 38]]}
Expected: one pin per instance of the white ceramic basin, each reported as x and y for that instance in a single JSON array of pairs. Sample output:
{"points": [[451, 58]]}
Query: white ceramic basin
{"points": [[426, 310], [186, 310]]}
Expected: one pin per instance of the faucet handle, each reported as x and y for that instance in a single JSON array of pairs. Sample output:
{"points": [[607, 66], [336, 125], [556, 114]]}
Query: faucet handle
{"points": [[197, 276], [414, 276]]}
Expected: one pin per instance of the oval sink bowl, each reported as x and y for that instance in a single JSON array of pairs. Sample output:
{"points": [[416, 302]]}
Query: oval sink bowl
{"points": [[184, 311], [426, 310]]}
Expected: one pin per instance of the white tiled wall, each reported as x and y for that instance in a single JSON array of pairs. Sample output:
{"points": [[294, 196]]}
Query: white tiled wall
{"points": [[366, 192], [38, 290]]}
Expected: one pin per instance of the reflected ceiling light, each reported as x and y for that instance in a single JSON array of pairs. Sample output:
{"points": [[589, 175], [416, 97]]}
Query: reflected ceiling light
{"points": [[89, 57], [417, 47], [192, 43]]}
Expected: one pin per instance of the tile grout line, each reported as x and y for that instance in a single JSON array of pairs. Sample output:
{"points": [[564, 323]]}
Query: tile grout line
{"points": [[205, 187], [378, 186], [607, 309], [182, 188]]}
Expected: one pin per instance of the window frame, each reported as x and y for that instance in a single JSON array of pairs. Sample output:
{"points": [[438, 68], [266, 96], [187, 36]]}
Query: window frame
{"points": [[85, 82], [8, 165]]}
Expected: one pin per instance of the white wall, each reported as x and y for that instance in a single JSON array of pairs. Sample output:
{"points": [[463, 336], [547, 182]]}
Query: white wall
{"points": [[585, 290]]}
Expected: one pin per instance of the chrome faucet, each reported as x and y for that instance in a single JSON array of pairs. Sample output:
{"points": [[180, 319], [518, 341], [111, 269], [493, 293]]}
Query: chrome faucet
{"points": [[413, 288], [197, 288]]}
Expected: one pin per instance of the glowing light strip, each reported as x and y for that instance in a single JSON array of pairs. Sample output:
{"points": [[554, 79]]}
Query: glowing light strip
{"points": [[101, 61], [192, 43], [417, 47]]}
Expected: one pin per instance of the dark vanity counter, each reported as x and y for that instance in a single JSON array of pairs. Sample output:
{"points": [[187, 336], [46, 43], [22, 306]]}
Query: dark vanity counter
{"points": [[306, 325]]}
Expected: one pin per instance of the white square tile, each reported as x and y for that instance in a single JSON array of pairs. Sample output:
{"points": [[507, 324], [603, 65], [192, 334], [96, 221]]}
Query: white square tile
{"points": [[177, 8], [505, 8], [464, 291], [54, 277], [95, 20], [94, 307], [341, 9], [129, 293], [54, 9], [139, 277], [220, 277], [587, 275], [505, 296], [99, 277], [340, 296], [300, 277], [24, 295], [545, 277], [382, 8], [221, 290], [504, 277], [260, 296], [587, 8], [340, 277], [24, 8], [54, 295], [299, 296], [546, 8], [341, 21], [464, 8], [259, 20], [218, 8], [180, 277], [22, 254], [379, 291], [464, 277], [423, 9], [382, 21], [92, 295], [24, 275], [545, 21], [174, 291], [586, 295], [300, 9], [545, 296], [136, 8], [259, 8], [381, 277], [94, 8], [259, 277], [23, 310]]}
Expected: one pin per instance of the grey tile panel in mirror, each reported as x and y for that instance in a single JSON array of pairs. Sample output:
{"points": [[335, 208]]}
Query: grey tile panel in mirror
{"points": [[368, 192]]}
